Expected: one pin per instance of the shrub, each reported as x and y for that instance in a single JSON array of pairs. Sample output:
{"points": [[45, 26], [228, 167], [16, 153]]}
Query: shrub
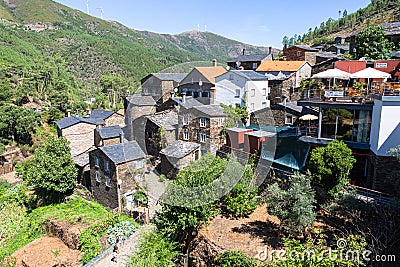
{"points": [[242, 200], [331, 166], [234, 259], [155, 250], [120, 231], [294, 207]]}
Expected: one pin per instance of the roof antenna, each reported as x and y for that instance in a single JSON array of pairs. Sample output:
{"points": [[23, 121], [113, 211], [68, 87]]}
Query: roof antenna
{"points": [[101, 12], [87, 7]]}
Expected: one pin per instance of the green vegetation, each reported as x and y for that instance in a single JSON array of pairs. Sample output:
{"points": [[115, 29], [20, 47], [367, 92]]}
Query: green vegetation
{"points": [[233, 259], [376, 12], [51, 170], [155, 250], [89, 238], [295, 207], [242, 200], [373, 44], [120, 231], [331, 166], [236, 115], [19, 228]]}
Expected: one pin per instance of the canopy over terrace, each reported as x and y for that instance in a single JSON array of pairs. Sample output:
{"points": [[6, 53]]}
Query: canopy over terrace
{"points": [[332, 74], [370, 73]]}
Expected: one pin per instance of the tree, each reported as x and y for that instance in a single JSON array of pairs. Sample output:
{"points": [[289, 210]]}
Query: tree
{"points": [[51, 170], [295, 207], [331, 166], [373, 44]]}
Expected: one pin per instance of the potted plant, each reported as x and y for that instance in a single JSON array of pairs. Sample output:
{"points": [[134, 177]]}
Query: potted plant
{"points": [[359, 87]]}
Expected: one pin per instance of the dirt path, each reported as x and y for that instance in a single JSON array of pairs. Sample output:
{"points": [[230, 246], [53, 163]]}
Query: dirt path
{"points": [[127, 248]]}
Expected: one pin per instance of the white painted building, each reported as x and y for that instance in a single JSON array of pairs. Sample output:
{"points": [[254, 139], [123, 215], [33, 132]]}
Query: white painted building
{"points": [[240, 87], [385, 128]]}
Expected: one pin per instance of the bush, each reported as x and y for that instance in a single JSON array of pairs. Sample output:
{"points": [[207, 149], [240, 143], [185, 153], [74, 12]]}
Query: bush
{"points": [[294, 207], [120, 231], [331, 166], [242, 200], [234, 259], [155, 250]]}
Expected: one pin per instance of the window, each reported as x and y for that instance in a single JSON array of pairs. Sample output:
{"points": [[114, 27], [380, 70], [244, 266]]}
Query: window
{"points": [[139, 164], [185, 135], [255, 65], [231, 77], [202, 122], [289, 119], [96, 161], [237, 94], [252, 106], [253, 92], [203, 138], [264, 91], [264, 104], [185, 120], [196, 155], [381, 65], [108, 180], [129, 201], [106, 165], [299, 53], [98, 177], [220, 122]]}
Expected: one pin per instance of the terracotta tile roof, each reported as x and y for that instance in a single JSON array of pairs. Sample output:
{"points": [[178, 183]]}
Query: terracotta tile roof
{"points": [[280, 65], [211, 72]]}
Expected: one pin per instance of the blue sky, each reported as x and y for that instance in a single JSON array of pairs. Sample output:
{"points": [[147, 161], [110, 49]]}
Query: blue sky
{"points": [[258, 22]]}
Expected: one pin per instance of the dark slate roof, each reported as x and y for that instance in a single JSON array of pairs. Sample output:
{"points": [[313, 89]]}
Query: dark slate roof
{"points": [[123, 152], [327, 54], [83, 159], [70, 121], [395, 54], [309, 48], [211, 110], [190, 102], [250, 75], [392, 28], [109, 132], [299, 109], [177, 77], [248, 58], [179, 149], [141, 100], [343, 47], [165, 119], [101, 114]]}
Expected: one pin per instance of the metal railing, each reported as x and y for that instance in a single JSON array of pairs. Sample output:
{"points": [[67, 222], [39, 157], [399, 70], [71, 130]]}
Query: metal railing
{"points": [[376, 197]]}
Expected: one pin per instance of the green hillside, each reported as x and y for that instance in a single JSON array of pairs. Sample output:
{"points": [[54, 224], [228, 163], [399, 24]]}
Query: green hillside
{"points": [[377, 12]]}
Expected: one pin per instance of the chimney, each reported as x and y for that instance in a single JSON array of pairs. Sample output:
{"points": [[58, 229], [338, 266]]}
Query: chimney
{"points": [[243, 51], [212, 95], [121, 137], [214, 62], [270, 50], [69, 113], [285, 46], [183, 98]]}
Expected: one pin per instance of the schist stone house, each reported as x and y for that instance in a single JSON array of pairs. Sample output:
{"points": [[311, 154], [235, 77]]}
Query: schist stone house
{"points": [[201, 124], [200, 82], [113, 170], [300, 53], [161, 131], [240, 87], [137, 107], [249, 62], [178, 156], [111, 135], [79, 132], [110, 118], [297, 70], [161, 85]]}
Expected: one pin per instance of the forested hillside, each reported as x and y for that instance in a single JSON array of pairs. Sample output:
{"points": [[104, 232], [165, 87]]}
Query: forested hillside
{"points": [[377, 12]]}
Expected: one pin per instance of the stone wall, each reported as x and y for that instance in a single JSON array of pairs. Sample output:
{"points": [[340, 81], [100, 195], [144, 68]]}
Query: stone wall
{"points": [[115, 119], [380, 171], [80, 136], [136, 122]]}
